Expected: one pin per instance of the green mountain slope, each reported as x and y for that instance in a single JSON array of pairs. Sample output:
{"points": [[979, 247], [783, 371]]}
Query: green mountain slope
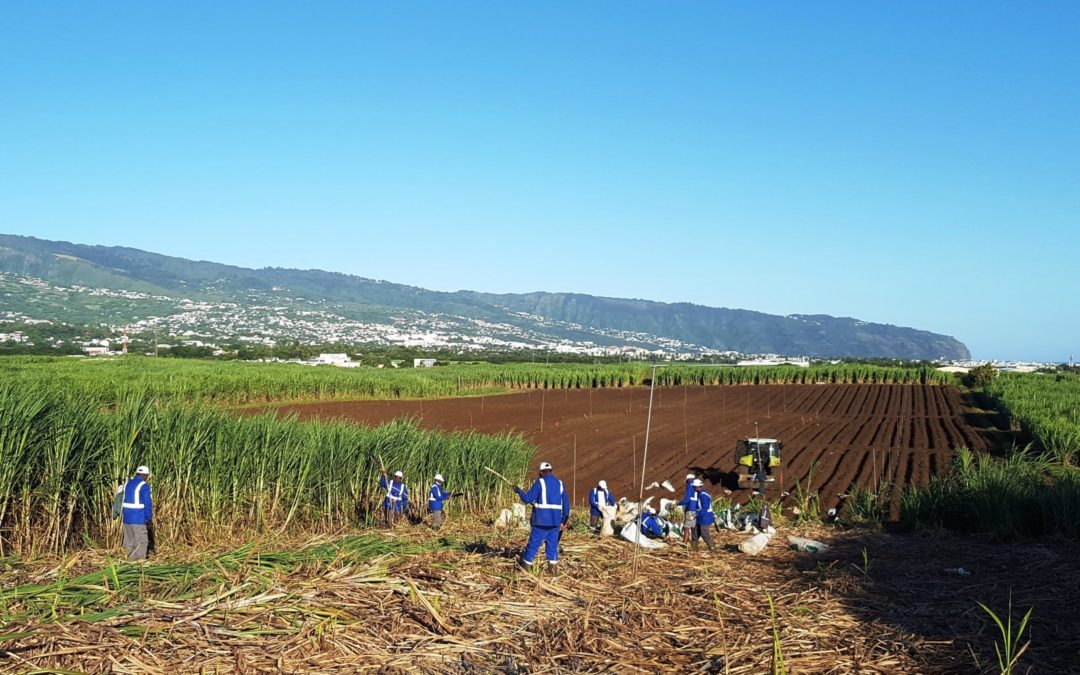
{"points": [[556, 315]]}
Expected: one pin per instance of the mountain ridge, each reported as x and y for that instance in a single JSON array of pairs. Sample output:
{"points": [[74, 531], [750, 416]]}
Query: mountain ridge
{"points": [[539, 319]]}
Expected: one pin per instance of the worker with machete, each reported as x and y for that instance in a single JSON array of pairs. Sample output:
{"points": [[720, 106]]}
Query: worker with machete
{"points": [[551, 511], [435, 501]]}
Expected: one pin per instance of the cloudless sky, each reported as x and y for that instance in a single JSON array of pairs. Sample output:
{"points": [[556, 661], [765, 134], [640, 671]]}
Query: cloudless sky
{"points": [[912, 163]]}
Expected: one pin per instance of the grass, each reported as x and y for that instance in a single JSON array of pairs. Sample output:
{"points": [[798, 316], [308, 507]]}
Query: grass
{"points": [[1008, 649], [1020, 496], [778, 667]]}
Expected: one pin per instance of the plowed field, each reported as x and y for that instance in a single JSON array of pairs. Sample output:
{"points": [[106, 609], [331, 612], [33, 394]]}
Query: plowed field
{"points": [[853, 434]]}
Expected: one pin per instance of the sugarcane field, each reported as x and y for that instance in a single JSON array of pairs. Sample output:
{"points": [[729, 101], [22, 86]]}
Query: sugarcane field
{"points": [[854, 519]]}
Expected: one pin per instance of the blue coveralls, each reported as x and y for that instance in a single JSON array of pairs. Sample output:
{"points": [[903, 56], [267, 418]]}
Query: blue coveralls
{"points": [[652, 526], [551, 508]]}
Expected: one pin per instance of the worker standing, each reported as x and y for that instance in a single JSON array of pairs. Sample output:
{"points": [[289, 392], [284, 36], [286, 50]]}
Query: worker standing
{"points": [[689, 514], [597, 496], [652, 525], [703, 517], [435, 501], [551, 511], [138, 514], [397, 497]]}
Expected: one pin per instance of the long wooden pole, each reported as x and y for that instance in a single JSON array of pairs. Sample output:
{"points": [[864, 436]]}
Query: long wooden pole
{"points": [[575, 471], [644, 461]]}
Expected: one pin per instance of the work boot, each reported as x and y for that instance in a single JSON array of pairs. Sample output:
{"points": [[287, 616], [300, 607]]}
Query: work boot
{"points": [[553, 568], [524, 564]]}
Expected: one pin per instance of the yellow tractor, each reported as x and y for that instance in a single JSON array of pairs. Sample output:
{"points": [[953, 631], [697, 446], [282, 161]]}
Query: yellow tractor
{"points": [[760, 456]]}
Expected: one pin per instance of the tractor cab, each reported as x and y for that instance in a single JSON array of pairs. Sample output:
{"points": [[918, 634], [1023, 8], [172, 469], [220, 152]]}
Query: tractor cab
{"points": [[760, 456]]}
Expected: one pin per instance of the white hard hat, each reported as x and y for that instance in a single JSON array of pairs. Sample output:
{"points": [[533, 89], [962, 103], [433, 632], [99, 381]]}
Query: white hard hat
{"points": [[689, 476], [398, 474], [544, 466], [649, 509], [698, 483], [603, 484], [143, 469], [438, 477]]}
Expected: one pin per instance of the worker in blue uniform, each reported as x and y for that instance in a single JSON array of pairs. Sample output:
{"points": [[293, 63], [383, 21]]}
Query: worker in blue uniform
{"points": [[551, 511], [701, 504], [597, 496], [689, 512], [138, 509], [397, 497], [436, 498], [652, 525]]}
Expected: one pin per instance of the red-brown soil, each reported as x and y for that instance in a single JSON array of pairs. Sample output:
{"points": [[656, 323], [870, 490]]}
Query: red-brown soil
{"points": [[852, 434]]}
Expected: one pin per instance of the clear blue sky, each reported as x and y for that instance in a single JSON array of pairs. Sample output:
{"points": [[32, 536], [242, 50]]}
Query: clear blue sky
{"points": [[913, 163]]}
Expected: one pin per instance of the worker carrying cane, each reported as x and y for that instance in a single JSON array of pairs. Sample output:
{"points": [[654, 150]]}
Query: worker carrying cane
{"points": [[551, 511], [597, 496], [397, 497]]}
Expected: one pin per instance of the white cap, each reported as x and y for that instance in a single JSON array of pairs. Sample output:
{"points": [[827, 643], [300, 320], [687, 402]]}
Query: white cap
{"points": [[143, 469], [603, 484], [698, 483], [544, 466], [689, 476], [438, 477], [649, 509], [398, 474]]}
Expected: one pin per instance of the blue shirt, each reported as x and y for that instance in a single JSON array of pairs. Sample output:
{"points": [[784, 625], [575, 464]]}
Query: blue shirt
{"points": [[438, 496], [397, 494], [595, 500], [705, 515], [551, 504], [691, 501], [138, 508]]}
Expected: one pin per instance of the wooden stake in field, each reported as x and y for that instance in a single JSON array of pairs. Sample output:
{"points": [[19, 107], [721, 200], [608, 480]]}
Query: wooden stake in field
{"points": [[543, 400], [575, 470], [644, 462]]}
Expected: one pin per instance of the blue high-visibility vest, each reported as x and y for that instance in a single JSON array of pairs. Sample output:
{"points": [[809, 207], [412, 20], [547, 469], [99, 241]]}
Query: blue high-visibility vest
{"points": [[705, 515], [397, 495], [597, 496], [690, 502], [551, 504], [438, 496], [138, 507]]}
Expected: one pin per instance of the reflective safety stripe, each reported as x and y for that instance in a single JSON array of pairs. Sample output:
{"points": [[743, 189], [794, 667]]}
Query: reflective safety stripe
{"points": [[543, 503], [137, 504], [390, 492]]}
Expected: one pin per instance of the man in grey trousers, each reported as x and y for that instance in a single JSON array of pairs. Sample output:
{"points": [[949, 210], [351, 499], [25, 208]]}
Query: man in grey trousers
{"points": [[138, 514]]}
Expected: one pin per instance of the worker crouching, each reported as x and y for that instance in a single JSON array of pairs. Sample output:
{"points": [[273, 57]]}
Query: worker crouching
{"points": [[551, 511]]}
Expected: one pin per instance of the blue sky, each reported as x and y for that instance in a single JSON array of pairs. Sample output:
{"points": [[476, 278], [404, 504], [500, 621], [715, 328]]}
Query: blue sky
{"points": [[911, 163]]}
